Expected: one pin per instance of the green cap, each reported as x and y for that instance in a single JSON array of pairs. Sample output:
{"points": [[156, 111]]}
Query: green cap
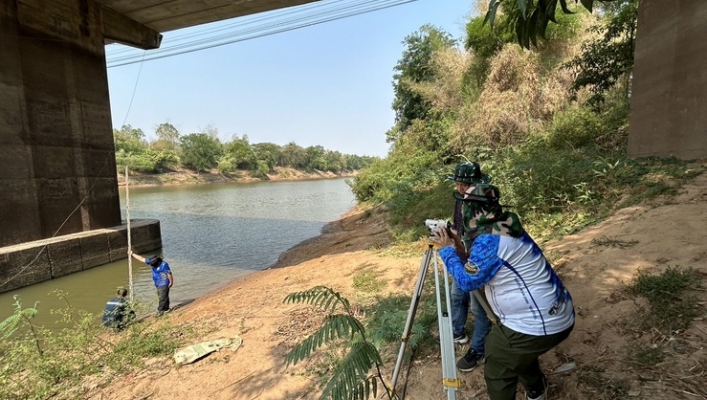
{"points": [[469, 172]]}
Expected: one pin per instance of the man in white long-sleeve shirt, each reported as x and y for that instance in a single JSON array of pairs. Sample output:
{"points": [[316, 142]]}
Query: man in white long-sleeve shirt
{"points": [[534, 309]]}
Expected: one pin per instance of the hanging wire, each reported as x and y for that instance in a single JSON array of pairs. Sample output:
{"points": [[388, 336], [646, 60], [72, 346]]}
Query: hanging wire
{"points": [[296, 21]]}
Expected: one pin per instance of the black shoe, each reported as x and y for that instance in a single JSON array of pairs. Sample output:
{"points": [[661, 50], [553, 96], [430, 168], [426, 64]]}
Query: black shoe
{"points": [[471, 360], [540, 394], [461, 338]]}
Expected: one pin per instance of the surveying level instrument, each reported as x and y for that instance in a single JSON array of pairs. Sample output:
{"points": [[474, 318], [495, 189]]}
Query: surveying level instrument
{"points": [[450, 381]]}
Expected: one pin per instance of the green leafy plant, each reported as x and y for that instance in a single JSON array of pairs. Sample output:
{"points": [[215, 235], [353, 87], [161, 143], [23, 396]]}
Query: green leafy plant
{"points": [[351, 378], [530, 19], [40, 363]]}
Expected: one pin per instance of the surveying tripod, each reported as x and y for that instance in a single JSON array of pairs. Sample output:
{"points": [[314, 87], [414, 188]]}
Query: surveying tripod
{"points": [[446, 340]]}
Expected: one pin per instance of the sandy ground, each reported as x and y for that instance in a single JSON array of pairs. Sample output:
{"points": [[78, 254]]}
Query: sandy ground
{"points": [[663, 234]]}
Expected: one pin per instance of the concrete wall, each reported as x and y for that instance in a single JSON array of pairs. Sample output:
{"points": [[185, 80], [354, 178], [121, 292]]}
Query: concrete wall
{"points": [[73, 253], [56, 142], [669, 94]]}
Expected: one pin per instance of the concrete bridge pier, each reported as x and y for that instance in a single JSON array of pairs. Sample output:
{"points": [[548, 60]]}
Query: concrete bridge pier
{"points": [[57, 163]]}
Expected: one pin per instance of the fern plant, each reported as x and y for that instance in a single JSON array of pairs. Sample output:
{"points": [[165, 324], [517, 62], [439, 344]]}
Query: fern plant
{"points": [[21, 316], [351, 378]]}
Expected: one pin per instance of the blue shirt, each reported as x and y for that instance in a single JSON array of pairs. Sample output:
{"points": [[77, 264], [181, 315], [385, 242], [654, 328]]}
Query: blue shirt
{"points": [[116, 313], [522, 288], [160, 274]]}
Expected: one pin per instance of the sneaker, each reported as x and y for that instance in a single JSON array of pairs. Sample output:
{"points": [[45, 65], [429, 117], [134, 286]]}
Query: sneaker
{"points": [[539, 395], [461, 338], [471, 360]]}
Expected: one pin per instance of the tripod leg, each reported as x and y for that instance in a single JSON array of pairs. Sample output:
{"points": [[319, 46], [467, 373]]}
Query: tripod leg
{"points": [[414, 302], [446, 337]]}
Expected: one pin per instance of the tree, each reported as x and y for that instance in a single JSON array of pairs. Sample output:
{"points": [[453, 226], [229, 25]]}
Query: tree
{"points": [[315, 158], [529, 19], [242, 153], [415, 66], [129, 140], [334, 161], [270, 153], [167, 137], [605, 60], [293, 156], [200, 151]]}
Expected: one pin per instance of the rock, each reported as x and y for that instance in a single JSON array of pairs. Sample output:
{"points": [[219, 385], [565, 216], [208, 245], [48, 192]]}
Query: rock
{"points": [[566, 367]]}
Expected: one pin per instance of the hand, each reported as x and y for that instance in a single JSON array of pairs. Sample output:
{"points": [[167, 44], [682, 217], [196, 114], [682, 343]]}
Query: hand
{"points": [[442, 238]]}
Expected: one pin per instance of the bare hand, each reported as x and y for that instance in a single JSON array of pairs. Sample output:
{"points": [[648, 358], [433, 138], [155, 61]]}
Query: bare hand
{"points": [[442, 238]]}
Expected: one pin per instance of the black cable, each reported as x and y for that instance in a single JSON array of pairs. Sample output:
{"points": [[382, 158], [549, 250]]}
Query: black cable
{"points": [[131, 60]]}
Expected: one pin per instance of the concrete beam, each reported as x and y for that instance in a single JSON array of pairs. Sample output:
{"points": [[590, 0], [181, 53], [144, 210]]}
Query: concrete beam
{"points": [[164, 16], [33, 262], [122, 29]]}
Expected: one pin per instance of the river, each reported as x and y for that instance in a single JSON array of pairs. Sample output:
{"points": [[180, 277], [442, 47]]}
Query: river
{"points": [[211, 235]]}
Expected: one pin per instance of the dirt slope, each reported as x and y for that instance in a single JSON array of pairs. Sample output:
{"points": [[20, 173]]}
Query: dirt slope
{"points": [[654, 237]]}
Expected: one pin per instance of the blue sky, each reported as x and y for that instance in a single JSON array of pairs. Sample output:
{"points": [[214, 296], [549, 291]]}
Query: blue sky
{"points": [[328, 84]]}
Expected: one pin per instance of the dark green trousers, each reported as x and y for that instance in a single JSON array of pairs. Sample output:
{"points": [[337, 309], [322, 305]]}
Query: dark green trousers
{"points": [[512, 357]]}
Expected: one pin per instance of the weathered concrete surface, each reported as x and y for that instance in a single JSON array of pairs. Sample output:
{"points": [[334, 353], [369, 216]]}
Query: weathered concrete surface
{"points": [[57, 162], [73, 253], [669, 94], [165, 16], [57, 157]]}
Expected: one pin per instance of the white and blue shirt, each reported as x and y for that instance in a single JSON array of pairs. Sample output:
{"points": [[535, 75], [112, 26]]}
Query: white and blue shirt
{"points": [[522, 288]]}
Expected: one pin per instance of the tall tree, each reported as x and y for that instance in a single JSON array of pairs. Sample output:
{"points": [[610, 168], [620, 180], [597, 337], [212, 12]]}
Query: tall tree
{"points": [[239, 148], [268, 152], [415, 66], [293, 156], [605, 60], [167, 137], [129, 140], [315, 158], [200, 151]]}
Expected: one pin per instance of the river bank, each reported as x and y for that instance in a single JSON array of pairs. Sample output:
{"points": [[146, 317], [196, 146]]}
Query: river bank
{"points": [[189, 177], [654, 236]]}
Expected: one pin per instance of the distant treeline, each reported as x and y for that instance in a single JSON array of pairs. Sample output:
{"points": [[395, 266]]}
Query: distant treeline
{"points": [[204, 151]]}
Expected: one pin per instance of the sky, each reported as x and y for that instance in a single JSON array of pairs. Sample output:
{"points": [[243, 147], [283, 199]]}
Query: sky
{"points": [[328, 84]]}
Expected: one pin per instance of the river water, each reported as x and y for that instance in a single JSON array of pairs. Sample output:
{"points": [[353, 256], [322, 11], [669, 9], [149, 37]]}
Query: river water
{"points": [[211, 235]]}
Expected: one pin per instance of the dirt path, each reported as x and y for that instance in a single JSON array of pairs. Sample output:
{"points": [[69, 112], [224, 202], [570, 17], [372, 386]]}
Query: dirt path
{"points": [[648, 238]]}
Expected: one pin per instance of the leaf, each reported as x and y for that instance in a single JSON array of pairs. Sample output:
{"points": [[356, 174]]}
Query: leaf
{"points": [[543, 21], [563, 4], [339, 326], [352, 372], [588, 4], [532, 27], [319, 296], [522, 33], [523, 6], [491, 13], [550, 10]]}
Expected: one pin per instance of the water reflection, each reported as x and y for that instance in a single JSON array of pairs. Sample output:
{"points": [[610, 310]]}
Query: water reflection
{"points": [[211, 235]]}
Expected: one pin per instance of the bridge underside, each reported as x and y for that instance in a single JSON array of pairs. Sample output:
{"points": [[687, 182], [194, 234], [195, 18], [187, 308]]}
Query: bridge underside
{"points": [[57, 163]]}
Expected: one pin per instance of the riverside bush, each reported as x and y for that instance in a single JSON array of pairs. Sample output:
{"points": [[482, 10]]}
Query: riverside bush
{"points": [[38, 362]]}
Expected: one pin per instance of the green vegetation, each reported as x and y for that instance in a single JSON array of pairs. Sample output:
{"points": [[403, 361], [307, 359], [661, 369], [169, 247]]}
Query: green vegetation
{"points": [[549, 125], [203, 151], [350, 378], [39, 363], [670, 308], [368, 282]]}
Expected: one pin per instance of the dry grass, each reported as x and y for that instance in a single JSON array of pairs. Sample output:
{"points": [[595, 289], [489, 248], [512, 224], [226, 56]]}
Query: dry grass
{"points": [[444, 92]]}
